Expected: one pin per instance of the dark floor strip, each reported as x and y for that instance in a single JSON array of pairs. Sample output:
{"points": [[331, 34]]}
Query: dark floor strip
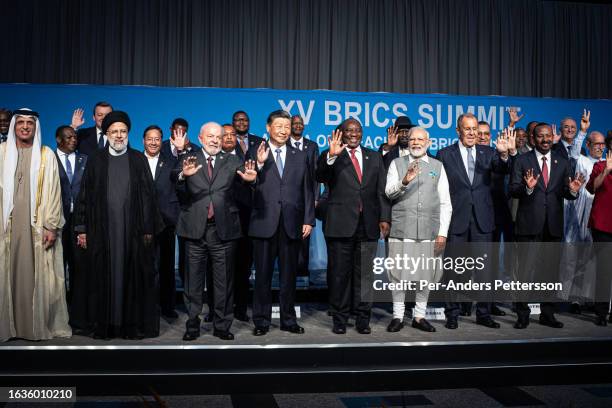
{"points": [[601, 392], [254, 401], [390, 401], [511, 396]]}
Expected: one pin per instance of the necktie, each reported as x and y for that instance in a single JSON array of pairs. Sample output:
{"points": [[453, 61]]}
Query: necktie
{"points": [[544, 171], [279, 162], [68, 168], [211, 211], [101, 141], [569, 150], [356, 164], [297, 145], [471, 166], [242, 145]]}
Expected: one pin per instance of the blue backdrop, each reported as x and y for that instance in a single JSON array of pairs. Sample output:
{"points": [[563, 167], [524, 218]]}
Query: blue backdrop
{"points": [[322, 112]]}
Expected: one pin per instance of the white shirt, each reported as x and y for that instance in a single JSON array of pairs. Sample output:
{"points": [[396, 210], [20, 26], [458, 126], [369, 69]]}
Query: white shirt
{"points": [[358, 155], [212, 163], [71, 157], [152, 163], [100, 134], [396, 188], [283, 154], [464, 156], [300, 141], [540, 162], [404, 152]]}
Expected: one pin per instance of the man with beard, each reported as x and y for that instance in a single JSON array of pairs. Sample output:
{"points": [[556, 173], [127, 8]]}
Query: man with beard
{"points": [[32, 287], [5, 119], [207, 178], [116, 220], [91, 139], [71, 165], [311, 149], [358, 214], [421, 211], [161, 166], [540, 180]]}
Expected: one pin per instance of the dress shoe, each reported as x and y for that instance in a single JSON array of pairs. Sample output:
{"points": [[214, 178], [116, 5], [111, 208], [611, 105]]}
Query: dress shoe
{"points": [[550, 322], [423, 324], [575, 308], [364, 330], [294, 328], [243, 317], [465, 313], [339, 329], [451, 324], [395, 326], [496, 311], [521, 324], [260, 330], [191, 335], [82, 332], [223, 335], [208, 318], [601, 321], [169, 314], [488, 322]]}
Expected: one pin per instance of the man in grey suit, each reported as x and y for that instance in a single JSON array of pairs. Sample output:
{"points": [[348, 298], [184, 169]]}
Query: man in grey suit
{"points": [[206, 179]]}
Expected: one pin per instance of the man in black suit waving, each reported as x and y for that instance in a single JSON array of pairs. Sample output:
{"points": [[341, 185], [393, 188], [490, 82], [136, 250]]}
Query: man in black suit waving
{"points": [[540, 180], [209, 224], [282, 216], [358, 212], [91, 139]]}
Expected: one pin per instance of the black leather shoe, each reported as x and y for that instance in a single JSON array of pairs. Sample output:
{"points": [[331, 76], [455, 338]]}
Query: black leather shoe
{"points": [[423, 325], [521, 324], [243, 317], [191, 335], [208, 318], [260, 330], [551, 322], [488, 322], [339, 329], [395, 326], [451, 324], [496, 311], [364, 330], [601, 321], [465, 313], [294, 328], [223, 335]]}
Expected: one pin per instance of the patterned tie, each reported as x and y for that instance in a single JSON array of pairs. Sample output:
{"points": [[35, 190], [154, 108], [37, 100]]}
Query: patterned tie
{"points": [[242, 145], [544, 171], [297, 145], [471, 166], [211, 211], [101, 141], [356, 164], [68, 169], [279, 162]]}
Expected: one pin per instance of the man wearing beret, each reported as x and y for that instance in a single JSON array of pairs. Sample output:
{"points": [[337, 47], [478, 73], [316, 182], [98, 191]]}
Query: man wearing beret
{"points": [[116, 218]]}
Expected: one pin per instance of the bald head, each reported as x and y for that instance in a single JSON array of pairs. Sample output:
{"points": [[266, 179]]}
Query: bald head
{"points": [[210, 137]]}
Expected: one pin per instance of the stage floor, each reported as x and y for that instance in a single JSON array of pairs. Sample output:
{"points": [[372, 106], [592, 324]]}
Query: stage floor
{"points": [[318, 324]]}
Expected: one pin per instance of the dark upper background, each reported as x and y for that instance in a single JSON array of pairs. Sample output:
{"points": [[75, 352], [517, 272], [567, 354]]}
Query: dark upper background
{"points": [[477, 47]]}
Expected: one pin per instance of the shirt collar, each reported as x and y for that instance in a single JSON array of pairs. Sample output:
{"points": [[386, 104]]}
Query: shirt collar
{"points": [[540, 155], [357, 149], [273, 148], [300, 141], [62, 153], [424, 158], [151, 157]]}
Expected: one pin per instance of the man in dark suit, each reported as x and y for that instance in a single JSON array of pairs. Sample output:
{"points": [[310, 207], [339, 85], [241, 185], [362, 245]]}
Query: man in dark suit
{"points": [[469, 168], [179, 125], [282, 216], [161, 166], [397, 140], [207, 177], [540, 180], [311, 149], [570, 144], [71, 167], [91, 139], [358, 213]]}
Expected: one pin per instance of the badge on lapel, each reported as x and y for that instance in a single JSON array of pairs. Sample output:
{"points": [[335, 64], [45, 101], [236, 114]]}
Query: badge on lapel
{"points": [[433, 174]]}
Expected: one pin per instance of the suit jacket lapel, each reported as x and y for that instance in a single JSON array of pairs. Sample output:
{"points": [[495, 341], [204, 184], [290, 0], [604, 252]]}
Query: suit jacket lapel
{"points": [[220, 160], [554, 168], [289, 159], [346, 157], [536, 169], [160, 163], [365, 165], [456, 154]]}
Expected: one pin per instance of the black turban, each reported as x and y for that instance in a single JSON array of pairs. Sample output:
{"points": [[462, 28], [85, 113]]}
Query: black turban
{"points": [[403, 122], [113, 117]]}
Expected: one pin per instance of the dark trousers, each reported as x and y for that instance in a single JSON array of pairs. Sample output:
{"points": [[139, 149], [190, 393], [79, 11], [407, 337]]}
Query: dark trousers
{"points": [[304, 258], [265, 252], [244, 261], [602, 285], [547, 309], [345, 258], [472, 234], [198, 252], [166, 255], [69, 247]]}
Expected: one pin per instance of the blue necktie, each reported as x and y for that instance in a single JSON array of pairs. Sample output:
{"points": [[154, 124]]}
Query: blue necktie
{"points": [[68, 169], [471, 165], [297, 145], [279, 162], [101, 141]]}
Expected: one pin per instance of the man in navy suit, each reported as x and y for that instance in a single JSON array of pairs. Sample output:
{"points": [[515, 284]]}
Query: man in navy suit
{"points": [[470, 167], [179, 125], [71, 167], [311, 149], [91, 139], [247, 142], [282, 216], [358, 214], [161, 166], [540, 180]]}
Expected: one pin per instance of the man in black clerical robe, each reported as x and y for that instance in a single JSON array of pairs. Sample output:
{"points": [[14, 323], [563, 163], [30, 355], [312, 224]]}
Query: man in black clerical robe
{"points": [[116, 221]]}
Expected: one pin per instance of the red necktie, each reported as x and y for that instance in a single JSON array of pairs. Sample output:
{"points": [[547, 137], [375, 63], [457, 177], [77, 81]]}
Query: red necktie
{"points": [[544, 171], [211, 211], [356, 164]]}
